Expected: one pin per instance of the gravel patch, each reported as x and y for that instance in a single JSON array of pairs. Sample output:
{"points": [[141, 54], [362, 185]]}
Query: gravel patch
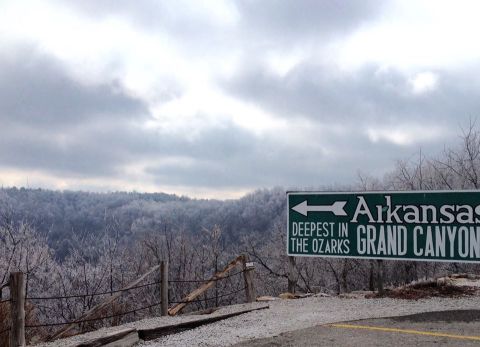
{"points": [[290, 315]]}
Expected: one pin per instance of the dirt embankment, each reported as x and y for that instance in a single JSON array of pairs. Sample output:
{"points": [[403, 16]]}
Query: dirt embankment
{"points": [[452, 286]]}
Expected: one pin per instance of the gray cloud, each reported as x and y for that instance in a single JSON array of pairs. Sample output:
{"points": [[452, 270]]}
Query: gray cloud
{"points": [[36, 90], [370, 95], [51, 121], [174, 18], [261, 24], [304, 19], [54, 123], [233, 158], [78, 130]]}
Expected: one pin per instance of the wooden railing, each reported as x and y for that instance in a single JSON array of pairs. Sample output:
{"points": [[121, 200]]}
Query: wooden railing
{"points": [[18, 298]]}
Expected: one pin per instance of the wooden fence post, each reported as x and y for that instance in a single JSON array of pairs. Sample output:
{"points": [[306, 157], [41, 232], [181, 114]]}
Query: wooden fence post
{"points": [[248, 269], [164, 287], [381, 276], [292, 281], [17, 295]]}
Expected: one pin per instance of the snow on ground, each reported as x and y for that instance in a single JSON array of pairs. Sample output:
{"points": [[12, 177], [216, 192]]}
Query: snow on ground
{"points": [[289, 315]]}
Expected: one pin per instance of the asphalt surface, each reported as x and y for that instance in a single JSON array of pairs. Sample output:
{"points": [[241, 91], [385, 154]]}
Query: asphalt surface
{"points": [[445, 328]]}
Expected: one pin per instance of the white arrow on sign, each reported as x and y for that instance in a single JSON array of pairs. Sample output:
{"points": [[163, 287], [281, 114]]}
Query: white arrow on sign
{"points": [[336, 208]]}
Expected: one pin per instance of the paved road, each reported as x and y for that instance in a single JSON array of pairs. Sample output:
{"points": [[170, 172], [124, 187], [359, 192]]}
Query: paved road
{"points": [[446, 328]]}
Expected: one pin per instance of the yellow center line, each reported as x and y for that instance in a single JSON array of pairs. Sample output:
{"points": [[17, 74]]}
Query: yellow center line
{"points": [[405, 331]]}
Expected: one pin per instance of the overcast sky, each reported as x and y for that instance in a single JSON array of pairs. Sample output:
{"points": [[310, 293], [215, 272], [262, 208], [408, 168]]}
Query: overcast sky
{"points": [[218, 98]]}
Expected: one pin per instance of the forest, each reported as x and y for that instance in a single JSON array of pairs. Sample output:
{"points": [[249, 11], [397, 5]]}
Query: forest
{"points": [[78, 242]]}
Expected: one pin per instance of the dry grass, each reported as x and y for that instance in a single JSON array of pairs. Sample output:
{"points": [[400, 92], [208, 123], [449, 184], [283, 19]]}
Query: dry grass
{"points": [[426, 290]]}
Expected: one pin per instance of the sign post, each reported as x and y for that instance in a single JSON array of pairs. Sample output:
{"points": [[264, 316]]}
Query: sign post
{"points": [[426, 225]]}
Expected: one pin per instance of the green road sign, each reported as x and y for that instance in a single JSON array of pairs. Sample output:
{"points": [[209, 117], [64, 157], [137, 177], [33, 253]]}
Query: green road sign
{"points": [[427, 225]]}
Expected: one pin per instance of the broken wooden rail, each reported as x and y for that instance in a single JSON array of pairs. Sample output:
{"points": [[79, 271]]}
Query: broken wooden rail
{"points": [[240, 260], [130, 336], [124, 337], [155, 333]]}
